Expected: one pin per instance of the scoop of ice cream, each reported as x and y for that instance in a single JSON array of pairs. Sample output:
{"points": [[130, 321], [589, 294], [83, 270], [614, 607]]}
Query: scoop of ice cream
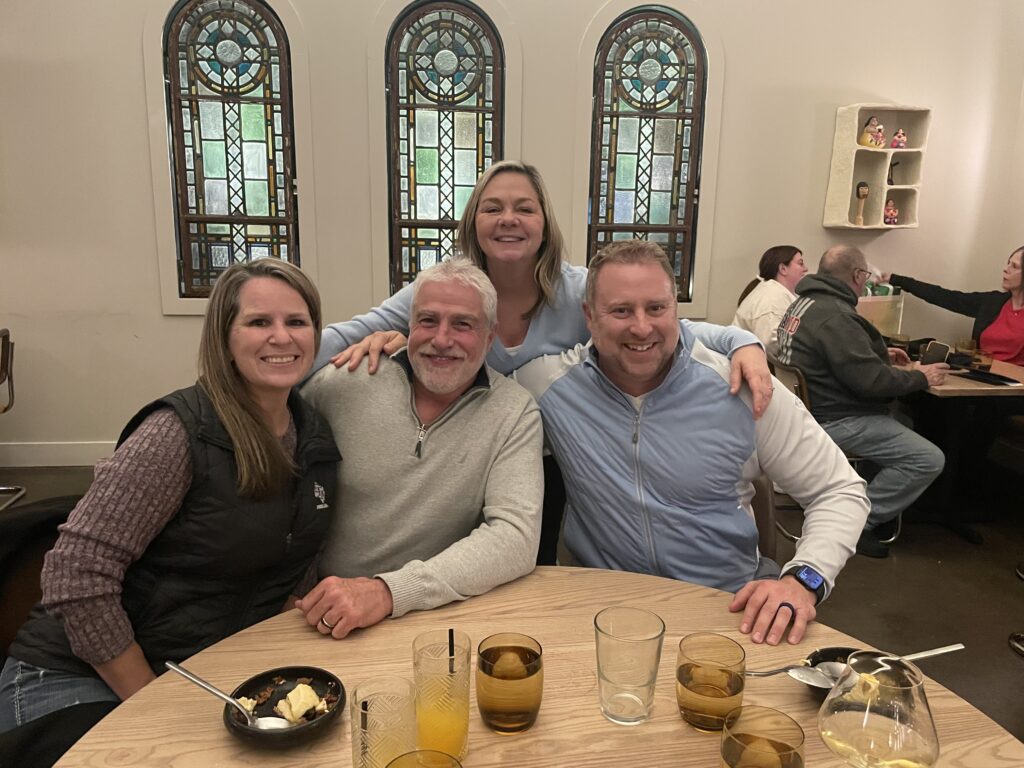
{"points": [[509, 667], [297, 703]]}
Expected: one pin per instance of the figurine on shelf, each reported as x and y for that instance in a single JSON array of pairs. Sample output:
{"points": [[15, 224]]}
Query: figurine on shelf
{"points": [[878, 139], [871, 128], [899, 139], [891, 214], [862, 196]]}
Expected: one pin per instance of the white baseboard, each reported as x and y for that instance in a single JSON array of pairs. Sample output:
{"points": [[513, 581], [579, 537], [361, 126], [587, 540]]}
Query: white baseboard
{"points": [[54, 454]]}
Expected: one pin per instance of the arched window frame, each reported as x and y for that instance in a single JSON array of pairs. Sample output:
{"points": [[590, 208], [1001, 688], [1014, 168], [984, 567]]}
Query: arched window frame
{"points": [[203, 247], [682, 235], [414, 239]]}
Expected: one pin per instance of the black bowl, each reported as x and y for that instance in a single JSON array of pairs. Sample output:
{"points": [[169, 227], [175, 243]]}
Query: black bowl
{"points": [[320, 680], [829, 653]]}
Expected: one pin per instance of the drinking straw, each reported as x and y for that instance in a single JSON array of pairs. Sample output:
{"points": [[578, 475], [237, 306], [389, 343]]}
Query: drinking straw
{"points": [[451, 651], [364, 748]]}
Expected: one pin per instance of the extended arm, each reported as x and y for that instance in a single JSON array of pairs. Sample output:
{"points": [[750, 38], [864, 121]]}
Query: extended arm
{"points": [[134, 494], [955, 301], [392, 315]]}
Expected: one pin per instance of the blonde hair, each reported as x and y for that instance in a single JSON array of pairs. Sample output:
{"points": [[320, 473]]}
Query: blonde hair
{"points": [[627, 252], [263, 465], [548, 270]]}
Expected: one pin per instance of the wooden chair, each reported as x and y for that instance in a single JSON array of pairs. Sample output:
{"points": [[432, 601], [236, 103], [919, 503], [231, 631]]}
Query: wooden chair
{"points": [[9, 493], [763, 505], [27, 533], [792, 378]]}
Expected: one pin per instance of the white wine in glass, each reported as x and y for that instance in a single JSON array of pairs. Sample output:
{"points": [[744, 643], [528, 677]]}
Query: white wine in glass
{"points": [[877, 716]]}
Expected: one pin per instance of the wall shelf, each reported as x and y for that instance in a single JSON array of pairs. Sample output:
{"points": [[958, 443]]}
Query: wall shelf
{"points": [[853, 163]]}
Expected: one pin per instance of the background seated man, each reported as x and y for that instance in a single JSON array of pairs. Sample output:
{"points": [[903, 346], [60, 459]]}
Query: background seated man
{"points": [[440, 484], [852, 383], [658, 456]]}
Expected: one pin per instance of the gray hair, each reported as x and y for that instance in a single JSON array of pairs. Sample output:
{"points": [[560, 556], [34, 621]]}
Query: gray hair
{"points": [[461, 270], [841, 261]]}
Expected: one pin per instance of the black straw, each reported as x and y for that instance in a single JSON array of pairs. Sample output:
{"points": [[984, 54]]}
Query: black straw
{"points": [[451, 651], [363, 746]]}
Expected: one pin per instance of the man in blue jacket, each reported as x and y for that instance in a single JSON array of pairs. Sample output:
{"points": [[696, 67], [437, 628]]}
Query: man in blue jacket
{"points": [[658, 456]]}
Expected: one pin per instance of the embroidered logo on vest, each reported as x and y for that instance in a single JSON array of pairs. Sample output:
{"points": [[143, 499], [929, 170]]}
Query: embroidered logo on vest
{"points": [[321, 495]]}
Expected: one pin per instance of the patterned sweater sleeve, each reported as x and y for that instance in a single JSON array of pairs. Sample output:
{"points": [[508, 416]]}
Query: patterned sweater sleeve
{"points": [[133, 496]]}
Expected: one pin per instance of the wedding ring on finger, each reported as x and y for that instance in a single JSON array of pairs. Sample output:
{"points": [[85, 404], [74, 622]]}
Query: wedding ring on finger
{"points": [[323, 621], [784, 604]]}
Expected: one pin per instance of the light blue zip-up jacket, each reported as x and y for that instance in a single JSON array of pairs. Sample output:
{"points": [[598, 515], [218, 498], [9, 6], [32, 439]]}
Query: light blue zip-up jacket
{"points": [[665, 489]]}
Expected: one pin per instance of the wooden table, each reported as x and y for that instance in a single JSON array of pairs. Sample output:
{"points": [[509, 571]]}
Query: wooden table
{"points": [[172, 723], [958, 386]]}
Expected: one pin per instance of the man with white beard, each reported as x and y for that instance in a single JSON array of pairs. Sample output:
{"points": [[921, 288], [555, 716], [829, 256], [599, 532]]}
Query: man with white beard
{"points": [[440, 484]]}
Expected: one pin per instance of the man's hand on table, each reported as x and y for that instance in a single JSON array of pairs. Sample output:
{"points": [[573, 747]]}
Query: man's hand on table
{"points": [[750, 364], [935, 373], [336, 606], [769, 606]]}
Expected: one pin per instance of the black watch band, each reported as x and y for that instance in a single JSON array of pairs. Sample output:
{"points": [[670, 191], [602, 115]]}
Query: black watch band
{"points": [[809, 579]]}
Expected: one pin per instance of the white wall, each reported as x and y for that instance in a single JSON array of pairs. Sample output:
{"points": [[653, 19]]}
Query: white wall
{"points": [[80, 225]]}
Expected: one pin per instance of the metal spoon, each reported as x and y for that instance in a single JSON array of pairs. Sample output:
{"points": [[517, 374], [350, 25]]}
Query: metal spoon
{"points": [[263, 723], [833, 669]]}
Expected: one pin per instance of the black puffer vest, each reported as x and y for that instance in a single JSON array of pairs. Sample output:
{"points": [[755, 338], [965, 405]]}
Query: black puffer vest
{"points": [[223, 562]]}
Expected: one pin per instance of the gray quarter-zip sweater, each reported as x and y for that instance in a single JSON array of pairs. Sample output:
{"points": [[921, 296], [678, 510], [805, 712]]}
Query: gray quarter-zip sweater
{"points": [[442, 511]]}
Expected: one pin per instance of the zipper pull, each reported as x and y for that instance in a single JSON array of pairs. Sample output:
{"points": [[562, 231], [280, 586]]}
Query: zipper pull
{"points": [[636, 429], [288, 542], [419, 441]]}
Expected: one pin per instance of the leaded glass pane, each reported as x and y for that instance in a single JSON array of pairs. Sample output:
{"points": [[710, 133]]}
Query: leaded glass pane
{"points": [[445, 80], [229, 95], [648, 99]]}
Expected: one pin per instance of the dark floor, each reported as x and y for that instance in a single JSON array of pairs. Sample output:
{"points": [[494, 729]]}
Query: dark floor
{"points": [[934, 589]]}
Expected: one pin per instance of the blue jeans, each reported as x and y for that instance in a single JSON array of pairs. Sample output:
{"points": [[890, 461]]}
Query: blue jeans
{"points": [[28, 692], [907, 462]]}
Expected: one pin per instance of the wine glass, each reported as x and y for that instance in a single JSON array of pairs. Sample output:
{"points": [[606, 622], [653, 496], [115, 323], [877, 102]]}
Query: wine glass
{"points": [[877, 716]]}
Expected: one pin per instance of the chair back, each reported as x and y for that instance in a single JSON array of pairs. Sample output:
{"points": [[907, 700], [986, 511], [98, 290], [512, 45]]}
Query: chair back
{"points": [[763, 505], [27, 533], [7, 367], [792, 378]]}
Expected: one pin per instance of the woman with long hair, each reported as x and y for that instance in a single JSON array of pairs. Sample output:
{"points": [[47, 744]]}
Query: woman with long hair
{"points": [[207, 518], [767, 297]]}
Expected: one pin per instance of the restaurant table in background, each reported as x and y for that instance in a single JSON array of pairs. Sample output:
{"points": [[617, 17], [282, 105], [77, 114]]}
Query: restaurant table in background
{"points": [[948, 415], [172, 723]]}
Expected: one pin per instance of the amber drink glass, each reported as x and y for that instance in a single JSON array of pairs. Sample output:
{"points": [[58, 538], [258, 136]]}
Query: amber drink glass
{"points": [[709, 679], [760, 736], [509, 681]]}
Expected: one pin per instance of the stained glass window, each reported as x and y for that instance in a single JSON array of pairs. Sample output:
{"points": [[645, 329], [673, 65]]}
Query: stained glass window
{"points": [[445, 82], [649, 83], [229, 101]]}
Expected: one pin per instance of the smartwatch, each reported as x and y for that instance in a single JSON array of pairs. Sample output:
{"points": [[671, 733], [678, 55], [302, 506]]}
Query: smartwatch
{"points": [[809, 579]]}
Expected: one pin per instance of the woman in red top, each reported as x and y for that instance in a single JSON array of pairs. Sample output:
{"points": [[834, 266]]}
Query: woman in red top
{"points": [[998, 315]]}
